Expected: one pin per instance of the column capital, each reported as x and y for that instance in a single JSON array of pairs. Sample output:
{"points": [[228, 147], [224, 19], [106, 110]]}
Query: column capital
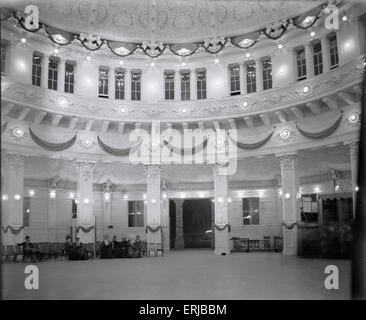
{"points": [[288, 160], [85, 168], [153, 169], [15, 160], [179, 202], [220, 168]]}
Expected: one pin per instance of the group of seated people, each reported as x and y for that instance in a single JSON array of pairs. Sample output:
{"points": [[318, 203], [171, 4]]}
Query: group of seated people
{"points": [[120, 249], [29, 251], [76, 250]]}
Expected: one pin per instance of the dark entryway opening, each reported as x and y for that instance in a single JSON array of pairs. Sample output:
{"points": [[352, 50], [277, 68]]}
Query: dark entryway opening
{"points": [[197, 223]]}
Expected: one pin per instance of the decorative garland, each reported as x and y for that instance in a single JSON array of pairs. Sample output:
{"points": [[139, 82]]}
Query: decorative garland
{"points": [[153, 229], [118, 152], [12, 229], [51, 146], [251, 146], [290, 226], [228, 226], [273, 31], [183, 151], [84, 229], [321, 134]]}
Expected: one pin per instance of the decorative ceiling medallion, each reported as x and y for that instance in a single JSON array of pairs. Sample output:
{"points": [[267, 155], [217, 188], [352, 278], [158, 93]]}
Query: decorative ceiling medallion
{"points": [[184, 111], [245, 105], [87, 142], [62, 102], [285, 135], [123, 110], [354, 119], [305, 90], [18, 132]]}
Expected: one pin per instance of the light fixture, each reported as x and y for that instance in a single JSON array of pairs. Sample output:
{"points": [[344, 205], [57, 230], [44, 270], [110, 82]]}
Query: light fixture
{"points": [[220, 200], [144, 196], [216, 60], [213, 200], [229, 200], [28, 210], [344, 18], [86, 201], [71, 195], [305, 89], [354, 117], [87, 142], [121, 62], [312, 34], [18, 132], [107, 196], [317, 189], [152, 64], [183, 111], [125, 197], [53, 194], [285, 133], [280, 46], [184, 63], [123, 110], [247, 54], [165, 195], [337, 187], [153, 201], [31, 193], [23, 40], [17, 197], [88, 58], [62, 101], [280, 193], [145, 202], [287, 195], [357, 188], [55, 51], [4, 197]]}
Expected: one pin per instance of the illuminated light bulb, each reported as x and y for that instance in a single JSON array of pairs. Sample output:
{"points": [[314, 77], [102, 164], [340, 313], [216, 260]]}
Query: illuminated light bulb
{"points": [[220, 200], [280, 46], [165, 195], [31, 193], [153, 200], [17, 197], [312, 34], [152, 64], [287, 195], [107, 196], [56, 51], [4, 197], [337, 187], [357, 188], [144, 196], [229, 200], [88, 58], [344, 18], [86, 201], [247, 54], [53, 194], [317, 189], [213, 200], [184, 64], [28, 210], [125, 197], [216, 60], [23, 40], [71, 195], [18, 132], [121, 62], [280, 193]]}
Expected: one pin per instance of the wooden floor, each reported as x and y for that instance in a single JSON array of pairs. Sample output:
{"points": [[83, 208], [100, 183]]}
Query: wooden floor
{"points": [[186, 274]]}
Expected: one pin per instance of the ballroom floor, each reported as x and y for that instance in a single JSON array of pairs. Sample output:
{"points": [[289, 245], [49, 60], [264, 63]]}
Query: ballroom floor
{"points": [[187, 274]]}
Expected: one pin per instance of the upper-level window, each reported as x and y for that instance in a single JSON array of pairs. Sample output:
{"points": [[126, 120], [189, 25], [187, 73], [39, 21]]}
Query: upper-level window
{"points": [[119, 78], [234, 72], [69, 77], [3, 57], [135, 214], [52, 73], [318, 59], [267, 73], [136, 85], [169, 85], [36, 69], [201, 84], [103, 82], [185, 85], [251, 77], [301, 64], [333, 50]]}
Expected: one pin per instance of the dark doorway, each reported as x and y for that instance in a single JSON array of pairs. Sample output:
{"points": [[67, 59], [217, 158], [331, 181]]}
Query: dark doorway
{"points": [[172, 223], [197, 219]]}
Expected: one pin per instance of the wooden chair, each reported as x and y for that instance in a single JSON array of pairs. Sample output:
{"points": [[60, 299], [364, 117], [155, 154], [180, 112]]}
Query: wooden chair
{"points": [[160, 248], [244, 244], [255, 244], [143, 248]]}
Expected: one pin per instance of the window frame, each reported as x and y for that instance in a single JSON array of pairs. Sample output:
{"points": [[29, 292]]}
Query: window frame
{"points": [[119, 84], [169, 85], [267, 73], [201, 84], [37, 69], [103, 82], [69, 83], [251, 76], [249, 211], [318, 59], [133, 216], [185, 85], [136, 85], [234, 79], [301, 64], [53, 65], [333, 51]]}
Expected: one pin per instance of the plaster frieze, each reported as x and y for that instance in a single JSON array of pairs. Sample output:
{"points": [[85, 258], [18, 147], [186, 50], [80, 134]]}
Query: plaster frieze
{"points": [[238, 106]]}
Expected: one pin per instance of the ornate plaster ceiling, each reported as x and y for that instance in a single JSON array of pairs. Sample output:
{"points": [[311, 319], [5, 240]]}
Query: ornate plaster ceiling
{"points": [[175, 21]]}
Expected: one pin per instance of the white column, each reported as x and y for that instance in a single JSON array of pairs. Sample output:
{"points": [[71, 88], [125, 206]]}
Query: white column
{"points": [[111, 84], [165, 224], [353, 151], [107, 205], [61, 76], [193, 84], [179, 238], [309, 61], [52, 210], [259, 74], [176, 85], [221, 189], [44, 72], [153, 172], [325, 53], [85, 217], [12, 199], [243, 79], [290, 203]]}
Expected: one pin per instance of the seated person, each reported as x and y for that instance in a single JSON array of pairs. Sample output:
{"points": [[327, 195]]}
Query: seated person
{"points": [[80, 251], [106, 249], [69, 249], [125, 245], [28, 249], [116, 248], [137, 247]]}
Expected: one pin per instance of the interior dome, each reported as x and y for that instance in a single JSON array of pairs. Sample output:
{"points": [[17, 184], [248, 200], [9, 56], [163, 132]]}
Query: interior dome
{"points": [[171, 21]]}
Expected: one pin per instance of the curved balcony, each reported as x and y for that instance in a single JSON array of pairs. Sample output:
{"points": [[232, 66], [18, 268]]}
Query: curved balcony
{"points": [[298, 93]]}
